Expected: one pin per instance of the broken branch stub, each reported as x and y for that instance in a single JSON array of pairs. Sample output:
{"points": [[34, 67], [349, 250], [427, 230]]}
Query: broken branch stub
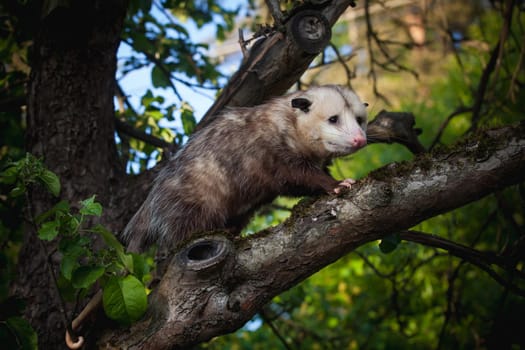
{"points": [[388, 127]]}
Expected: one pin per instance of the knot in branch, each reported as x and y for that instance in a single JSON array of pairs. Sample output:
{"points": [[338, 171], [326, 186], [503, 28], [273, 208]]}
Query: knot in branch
{"points": [[204, 255], [311, 31]]}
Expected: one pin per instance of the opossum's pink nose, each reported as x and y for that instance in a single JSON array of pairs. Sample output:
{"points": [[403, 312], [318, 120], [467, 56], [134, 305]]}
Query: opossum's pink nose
{"points": [[358, 141]]}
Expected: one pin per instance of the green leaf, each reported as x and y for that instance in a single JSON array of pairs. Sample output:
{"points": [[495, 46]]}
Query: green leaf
{"points": [[108, 237], [60, 207], [69, 223], [72, 253], [85, 276], [90, 207], [48, 231], [141, 43], [127, 261], [159, 78], [68, 264], [147, 99], [67, 291], [389, 243], [221, 33], [18, 334], [145, 5], [112, 242], [140, 266], [156, 115], [51, 181], [9, 175], [188, 119], [124, 299], [18, 191]]}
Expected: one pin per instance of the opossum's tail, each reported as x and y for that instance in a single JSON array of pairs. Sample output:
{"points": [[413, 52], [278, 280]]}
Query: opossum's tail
{"points": [[135, 233]]}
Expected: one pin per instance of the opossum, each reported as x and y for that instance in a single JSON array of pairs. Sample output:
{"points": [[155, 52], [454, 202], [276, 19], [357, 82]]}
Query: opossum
{"points": [[245, 158]]}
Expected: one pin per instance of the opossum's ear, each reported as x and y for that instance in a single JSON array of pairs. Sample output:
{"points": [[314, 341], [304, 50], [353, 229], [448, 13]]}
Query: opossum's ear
{"points": [[302, 103]]}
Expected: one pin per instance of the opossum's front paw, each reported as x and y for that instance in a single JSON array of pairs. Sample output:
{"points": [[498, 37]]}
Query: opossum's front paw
{"points": [[346, 183]]}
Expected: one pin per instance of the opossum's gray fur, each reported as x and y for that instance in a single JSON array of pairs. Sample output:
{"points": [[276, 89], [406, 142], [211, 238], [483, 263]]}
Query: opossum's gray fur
{"points": [[246, 157]]}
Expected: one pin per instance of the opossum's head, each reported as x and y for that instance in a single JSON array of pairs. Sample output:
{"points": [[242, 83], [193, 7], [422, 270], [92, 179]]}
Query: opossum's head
{"points": [[331, 120]]}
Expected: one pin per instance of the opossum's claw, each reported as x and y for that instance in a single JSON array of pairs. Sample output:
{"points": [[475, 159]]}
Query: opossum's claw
{"points": [[346, 183]]}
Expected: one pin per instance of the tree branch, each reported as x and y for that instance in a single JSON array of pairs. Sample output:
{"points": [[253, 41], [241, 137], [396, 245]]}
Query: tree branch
{"points": [[480, 259], [129, 130], [262, 74], [214, 285], [275, 10]]}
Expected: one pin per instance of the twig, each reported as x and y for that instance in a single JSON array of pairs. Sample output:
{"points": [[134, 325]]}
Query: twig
{"points": [[327, 63], [61, 304], [374, 268], [129, 130], [482, 260], [275, 10], [371, 59], [139, 135], [162, 68], [391, 64], [504, 33], [492, 66], [231, 89], [517, 70], [349, 74], [420, 264], [450, 296], [242, 44], [274, 329], [458, 111], [482, 87]]}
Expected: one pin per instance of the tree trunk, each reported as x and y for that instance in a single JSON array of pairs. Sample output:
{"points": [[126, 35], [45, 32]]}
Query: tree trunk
{"points": [[71, 126]]}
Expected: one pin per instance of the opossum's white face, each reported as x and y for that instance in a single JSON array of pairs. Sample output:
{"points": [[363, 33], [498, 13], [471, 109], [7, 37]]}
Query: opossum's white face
{"points": [[332, 120]]}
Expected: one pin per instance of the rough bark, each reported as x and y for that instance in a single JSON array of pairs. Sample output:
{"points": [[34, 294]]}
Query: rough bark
{"points": [[214, 285], [70, 125]]}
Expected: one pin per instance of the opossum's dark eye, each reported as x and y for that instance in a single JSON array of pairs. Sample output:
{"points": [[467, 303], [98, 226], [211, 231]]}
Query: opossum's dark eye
{"points": [[333, 119], [360, 120]]}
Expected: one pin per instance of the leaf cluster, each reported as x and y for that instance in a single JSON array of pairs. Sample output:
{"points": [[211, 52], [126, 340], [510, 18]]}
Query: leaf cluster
{"points": [[157, 38], [122, 276]]}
